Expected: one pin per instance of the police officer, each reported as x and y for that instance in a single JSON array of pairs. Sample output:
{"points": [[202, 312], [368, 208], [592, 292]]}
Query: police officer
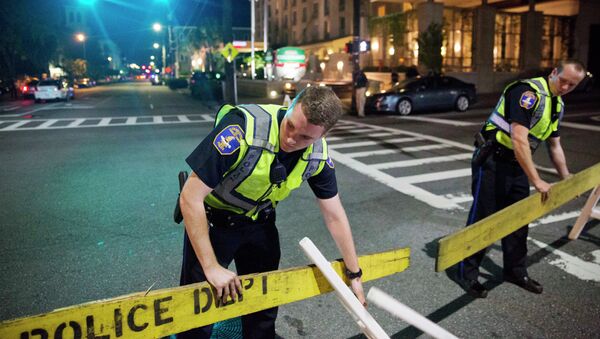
{"points": [[528, 113], [254, 157]]}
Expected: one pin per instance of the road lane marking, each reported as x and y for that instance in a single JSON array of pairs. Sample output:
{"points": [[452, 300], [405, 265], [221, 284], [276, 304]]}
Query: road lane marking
{"points": [[374, 135], [580, 126], [440, 121], [552, 218], [393, 182], [436, 176], [104, 121], [422, 161], [11, 108], [573, 265], [17, 125], [75, 123], [371, 143], [371, 153], [47, 124], [207, 117]]}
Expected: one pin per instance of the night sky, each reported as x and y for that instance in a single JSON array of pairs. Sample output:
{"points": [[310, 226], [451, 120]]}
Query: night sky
{"points": [[129, 22]]}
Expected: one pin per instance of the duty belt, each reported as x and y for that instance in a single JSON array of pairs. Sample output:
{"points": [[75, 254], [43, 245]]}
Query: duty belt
{"points": [[222, 218]]}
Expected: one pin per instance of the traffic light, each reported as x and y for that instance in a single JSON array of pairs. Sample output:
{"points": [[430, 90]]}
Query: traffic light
{"points": [[348, 47]]}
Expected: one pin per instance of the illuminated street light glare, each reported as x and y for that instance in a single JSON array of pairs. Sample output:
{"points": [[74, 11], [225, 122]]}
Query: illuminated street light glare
{"points": [[157, 27], [80, 37], [152, 57], [156, 45], [109, 58]]}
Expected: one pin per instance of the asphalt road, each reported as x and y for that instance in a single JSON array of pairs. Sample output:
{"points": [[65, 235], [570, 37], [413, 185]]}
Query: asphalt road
{"points": [[89, 188]]}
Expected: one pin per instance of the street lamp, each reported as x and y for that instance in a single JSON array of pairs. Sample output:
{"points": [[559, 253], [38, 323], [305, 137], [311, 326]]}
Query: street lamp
{"points": [[155, 45], [81, 38], [157, 27]]}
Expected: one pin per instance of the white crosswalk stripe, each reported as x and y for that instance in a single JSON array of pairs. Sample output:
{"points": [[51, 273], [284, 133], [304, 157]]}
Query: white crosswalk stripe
{"points": [[64, 123]]}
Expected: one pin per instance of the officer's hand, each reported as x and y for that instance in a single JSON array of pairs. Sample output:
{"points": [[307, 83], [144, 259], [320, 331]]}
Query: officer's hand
{"points": [[544, 188], [357, 288], [225, 282]]}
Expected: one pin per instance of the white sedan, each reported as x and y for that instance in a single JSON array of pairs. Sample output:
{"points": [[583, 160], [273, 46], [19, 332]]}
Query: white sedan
{"points": [[53, 89]]}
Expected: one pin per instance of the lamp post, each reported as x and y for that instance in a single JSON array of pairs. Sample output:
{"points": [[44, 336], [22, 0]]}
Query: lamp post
{"points": [[157, 27], [81, 38]]}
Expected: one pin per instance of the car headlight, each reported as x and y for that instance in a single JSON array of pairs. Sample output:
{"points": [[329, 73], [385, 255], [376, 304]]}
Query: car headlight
{"points": [[368, 93]]}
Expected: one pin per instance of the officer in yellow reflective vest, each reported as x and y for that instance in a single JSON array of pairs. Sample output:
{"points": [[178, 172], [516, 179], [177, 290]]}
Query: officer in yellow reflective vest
{"points": [[254, 157], [528, 113]]}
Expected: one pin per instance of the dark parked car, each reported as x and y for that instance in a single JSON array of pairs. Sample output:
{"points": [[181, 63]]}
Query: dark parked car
{"points": [[206, 85], [436, 92], [28, 90]]}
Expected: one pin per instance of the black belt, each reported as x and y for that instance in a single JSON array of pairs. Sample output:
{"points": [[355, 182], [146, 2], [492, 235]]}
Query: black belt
{"points": [[224, 218]]}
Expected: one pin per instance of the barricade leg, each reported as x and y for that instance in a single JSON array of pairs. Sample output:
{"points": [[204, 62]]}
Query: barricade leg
{"points": [[589, 211]]}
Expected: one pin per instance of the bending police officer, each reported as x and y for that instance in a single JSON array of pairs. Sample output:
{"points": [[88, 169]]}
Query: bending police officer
{"points": [[254, 157], [528, 113]]}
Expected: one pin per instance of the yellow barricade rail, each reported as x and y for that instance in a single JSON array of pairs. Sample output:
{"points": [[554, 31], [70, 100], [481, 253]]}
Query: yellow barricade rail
{"points": [[163, 312], [462, 244]]}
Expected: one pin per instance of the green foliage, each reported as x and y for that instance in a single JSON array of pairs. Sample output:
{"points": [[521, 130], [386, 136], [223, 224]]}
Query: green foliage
{"points": [[430, 47], [76, 68], [392, 24], [259, 60]]}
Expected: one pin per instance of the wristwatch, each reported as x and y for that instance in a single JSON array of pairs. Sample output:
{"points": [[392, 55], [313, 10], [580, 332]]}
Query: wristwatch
{"points": [[353, 275]]}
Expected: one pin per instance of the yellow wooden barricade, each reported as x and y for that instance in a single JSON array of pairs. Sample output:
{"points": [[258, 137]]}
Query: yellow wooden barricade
{"points": [[163, 312], [470, 240]]}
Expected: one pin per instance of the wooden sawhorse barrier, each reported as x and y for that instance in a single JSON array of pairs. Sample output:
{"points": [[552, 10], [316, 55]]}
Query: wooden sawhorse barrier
{"points": [[589, 211]]}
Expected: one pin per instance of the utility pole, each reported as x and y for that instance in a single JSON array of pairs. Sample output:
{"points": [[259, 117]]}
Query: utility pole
{"points": [[252, 31], [265, 24], [355, 47], [230, 95]]}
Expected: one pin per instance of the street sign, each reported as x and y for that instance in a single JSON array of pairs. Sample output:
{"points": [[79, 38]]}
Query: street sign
{"points": [[229, 52]]}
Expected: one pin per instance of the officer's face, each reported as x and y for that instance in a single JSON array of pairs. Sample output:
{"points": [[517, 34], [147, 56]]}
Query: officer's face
{"points": [[296, 132], [565, 81]]}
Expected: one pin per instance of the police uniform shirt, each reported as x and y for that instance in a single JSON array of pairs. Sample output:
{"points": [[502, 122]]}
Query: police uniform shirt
{"points": [[515, 110], [210, 165]]}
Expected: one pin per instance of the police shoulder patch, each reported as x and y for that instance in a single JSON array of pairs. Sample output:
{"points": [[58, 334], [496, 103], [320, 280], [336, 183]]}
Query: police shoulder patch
{"points": [[528, 99], [229, 139], [330, 162]]}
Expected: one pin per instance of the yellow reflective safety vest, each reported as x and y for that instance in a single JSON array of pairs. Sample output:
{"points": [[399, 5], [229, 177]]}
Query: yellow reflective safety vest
{"points": [[544, 120], [246, 187]]}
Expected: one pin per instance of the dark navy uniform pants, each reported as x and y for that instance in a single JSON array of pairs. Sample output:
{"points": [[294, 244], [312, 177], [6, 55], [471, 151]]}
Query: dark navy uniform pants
{"points": [[496, 184], [255, 248]]}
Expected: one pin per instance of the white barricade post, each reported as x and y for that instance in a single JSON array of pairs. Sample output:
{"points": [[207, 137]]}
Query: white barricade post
{"points": [[365, 321], [287, 101], [398, 309], [589, 211]]}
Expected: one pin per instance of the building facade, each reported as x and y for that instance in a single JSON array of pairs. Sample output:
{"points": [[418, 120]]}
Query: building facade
{"points": [[484, 41]]}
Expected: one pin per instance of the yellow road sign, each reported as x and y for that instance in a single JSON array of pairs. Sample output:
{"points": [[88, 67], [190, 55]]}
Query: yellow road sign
{"points": [[457, 246], [229, 52], [163, 312]]}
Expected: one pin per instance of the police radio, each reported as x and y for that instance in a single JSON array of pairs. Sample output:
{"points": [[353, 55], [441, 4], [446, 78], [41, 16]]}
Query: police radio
{"points": [[278, 173]]}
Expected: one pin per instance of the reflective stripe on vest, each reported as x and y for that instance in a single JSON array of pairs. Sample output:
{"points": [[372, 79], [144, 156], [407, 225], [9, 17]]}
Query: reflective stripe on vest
{"points": [[541, 123], [261, 144]]}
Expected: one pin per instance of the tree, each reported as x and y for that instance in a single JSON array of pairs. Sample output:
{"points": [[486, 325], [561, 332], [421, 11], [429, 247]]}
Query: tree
{"points": [[27, 46], [430, 47], [77, 68]]}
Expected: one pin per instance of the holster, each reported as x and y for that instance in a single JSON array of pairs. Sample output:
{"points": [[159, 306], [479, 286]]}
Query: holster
{"points": [[177, 216], [484, 148]]}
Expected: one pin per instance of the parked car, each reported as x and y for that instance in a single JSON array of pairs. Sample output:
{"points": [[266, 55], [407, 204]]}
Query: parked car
{"points": [[53, 90], [155, 80], [437, 92], [206, 85], [84, 83], [28, 90]]}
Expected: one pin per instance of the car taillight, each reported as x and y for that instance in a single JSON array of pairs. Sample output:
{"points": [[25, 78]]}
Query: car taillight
{"points": [[24, 88]]}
